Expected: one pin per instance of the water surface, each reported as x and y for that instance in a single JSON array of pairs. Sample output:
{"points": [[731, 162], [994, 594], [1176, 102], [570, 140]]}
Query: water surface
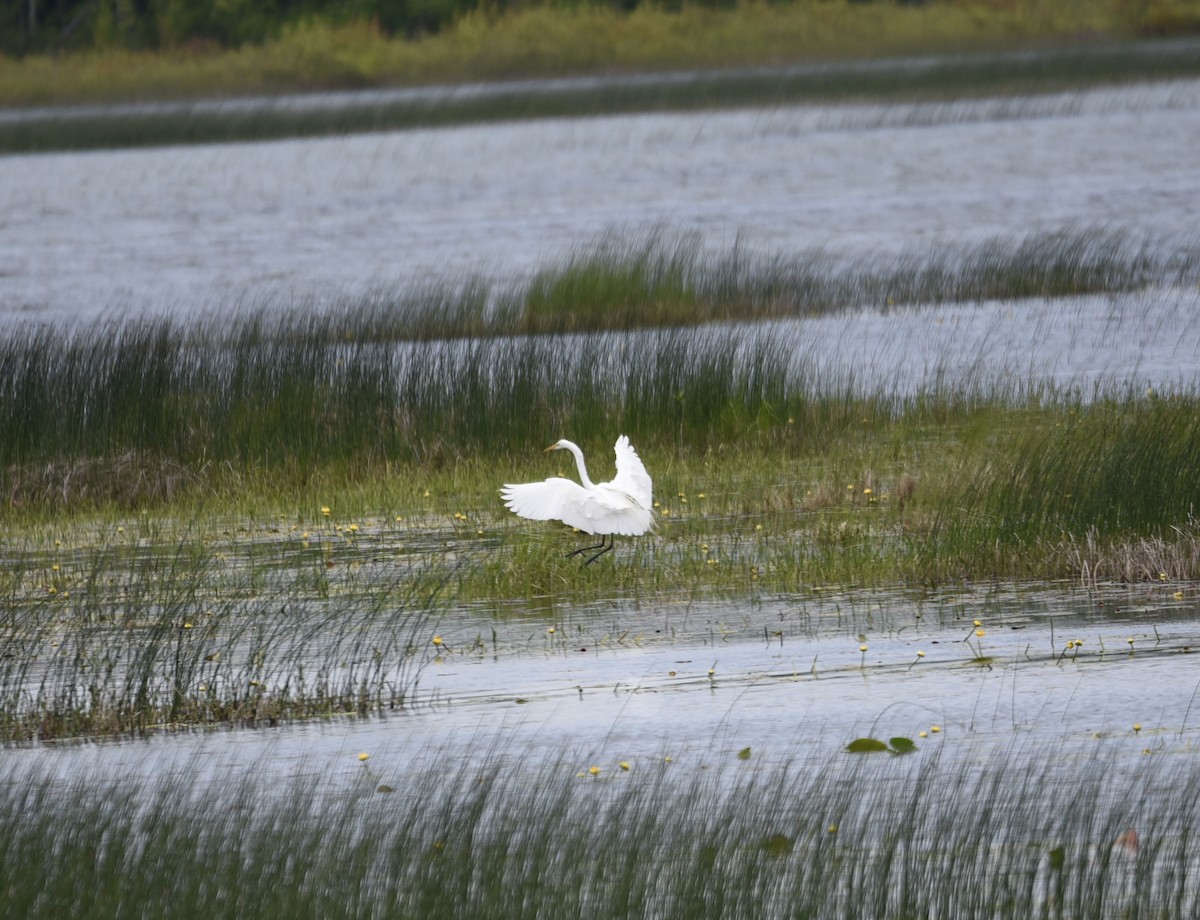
{"points": [[701, 682], [218, 226]]}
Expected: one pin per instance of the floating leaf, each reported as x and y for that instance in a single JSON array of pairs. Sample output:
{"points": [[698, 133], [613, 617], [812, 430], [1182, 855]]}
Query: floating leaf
{"points": [[778, 845], [866, 746], [383, 788], [743, 754], [902, 745], [1058, 858]]}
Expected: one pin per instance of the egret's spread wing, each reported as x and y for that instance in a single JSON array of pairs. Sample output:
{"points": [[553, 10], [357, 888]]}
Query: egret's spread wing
{"points": [[613, 510], [632, 477], [551, 500]]}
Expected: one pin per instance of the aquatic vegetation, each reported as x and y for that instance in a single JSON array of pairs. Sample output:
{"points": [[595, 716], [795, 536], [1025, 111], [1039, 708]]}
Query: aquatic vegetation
{"points": [[135, 411], [132, 634], [892, 837], [898, 745], [660, 280]]}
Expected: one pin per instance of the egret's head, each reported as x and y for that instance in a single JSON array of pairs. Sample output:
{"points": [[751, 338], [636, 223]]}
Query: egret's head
{"points": [[557, 445]]}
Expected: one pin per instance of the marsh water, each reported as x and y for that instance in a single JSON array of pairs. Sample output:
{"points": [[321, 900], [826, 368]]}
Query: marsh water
{"points": [[219, 227], [1058, 667], [216, 227]]}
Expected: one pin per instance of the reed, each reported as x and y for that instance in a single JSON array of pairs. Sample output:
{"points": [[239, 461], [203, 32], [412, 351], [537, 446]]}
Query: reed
{"points": [[133, 633], [821, 835], [167, 400]]}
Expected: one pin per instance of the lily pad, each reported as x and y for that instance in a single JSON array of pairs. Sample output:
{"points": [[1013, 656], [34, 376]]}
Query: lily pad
{"points": [[778, 845], [902, 745], [866, 746]]}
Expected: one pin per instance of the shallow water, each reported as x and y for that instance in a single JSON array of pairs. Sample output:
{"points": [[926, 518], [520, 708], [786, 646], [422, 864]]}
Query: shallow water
{"points": [[700, 682], [212, 227]]}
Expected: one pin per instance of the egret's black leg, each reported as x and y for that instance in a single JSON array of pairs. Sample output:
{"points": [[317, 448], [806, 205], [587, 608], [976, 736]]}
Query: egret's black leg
{"points": [[584, 549], [612, 540]]}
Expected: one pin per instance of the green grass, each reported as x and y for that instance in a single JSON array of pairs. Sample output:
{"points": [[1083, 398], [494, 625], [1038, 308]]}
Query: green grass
{"points": [[1027, 833]]}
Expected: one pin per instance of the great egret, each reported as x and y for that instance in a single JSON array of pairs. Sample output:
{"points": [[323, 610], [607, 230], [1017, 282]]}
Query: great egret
{"points": [[623, 506]]}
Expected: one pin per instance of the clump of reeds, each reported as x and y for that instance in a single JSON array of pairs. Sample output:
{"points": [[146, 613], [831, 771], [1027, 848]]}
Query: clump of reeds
{"points": [[1028, 833], [136, 633], [287, 392], [1124, 466], [664, 281]]}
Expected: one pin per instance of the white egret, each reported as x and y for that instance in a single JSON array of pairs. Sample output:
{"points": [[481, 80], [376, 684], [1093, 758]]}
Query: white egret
{"points": [[623, 506]]}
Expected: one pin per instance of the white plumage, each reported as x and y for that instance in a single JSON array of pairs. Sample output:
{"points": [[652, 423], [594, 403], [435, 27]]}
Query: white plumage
{"points": [[623, 506]]}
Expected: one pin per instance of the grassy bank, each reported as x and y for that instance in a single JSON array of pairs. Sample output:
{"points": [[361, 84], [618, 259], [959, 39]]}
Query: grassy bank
{"points": [[829, 835], [542, 41], [896, 79], [986, 48]]}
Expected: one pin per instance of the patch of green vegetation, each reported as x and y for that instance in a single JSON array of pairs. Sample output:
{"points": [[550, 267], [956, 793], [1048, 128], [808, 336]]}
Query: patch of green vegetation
{"points": [[668, 281], [125, 629]]}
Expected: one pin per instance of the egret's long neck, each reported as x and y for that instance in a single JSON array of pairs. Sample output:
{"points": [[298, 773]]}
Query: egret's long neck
{"points": [[583, 476]]}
